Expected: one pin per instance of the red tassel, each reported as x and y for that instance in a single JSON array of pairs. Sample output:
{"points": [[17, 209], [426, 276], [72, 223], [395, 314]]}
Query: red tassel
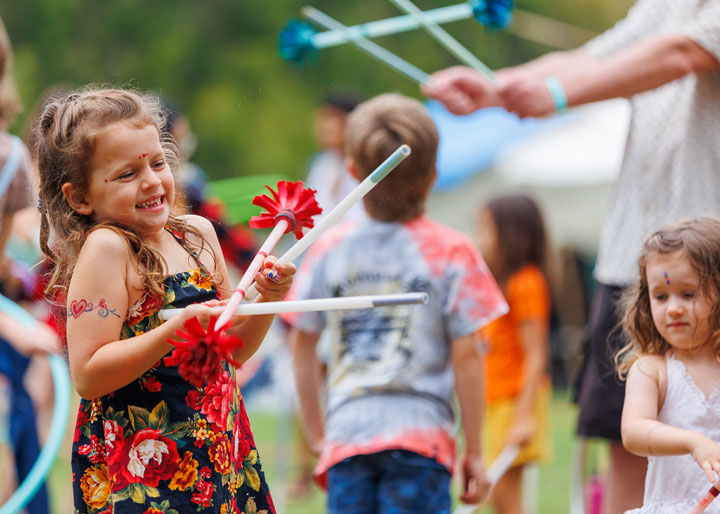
{"points": [[199, 353], [292, 201]]}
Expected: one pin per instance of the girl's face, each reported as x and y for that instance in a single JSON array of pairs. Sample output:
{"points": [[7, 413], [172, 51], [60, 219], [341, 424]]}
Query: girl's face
{"points": [[487, 237], [680, 311], [130, 182]]}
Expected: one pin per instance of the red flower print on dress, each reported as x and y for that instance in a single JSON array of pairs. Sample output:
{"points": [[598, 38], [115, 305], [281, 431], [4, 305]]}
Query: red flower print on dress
{"points": [[113, 433], [204, 494], [95, 450], [199, 353], [146, 306], [147, 457], [221, 455], [217, 401], [194, 399], [82, 419], [150, 383], [205, 472], [242, 438]]}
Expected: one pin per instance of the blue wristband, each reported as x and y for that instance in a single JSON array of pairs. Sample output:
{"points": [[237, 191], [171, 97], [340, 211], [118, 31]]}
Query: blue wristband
{"points": [[557, 92]]}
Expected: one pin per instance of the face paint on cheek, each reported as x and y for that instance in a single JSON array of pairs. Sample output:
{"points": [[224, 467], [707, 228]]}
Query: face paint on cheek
{"points": [[667, 279]]}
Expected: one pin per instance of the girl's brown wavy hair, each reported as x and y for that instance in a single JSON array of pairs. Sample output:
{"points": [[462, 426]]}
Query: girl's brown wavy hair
{"points": [[698, 239], [65, 135]]}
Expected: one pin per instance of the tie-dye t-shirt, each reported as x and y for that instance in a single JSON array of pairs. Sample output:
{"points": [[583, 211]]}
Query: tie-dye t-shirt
{"points": [[390, 381]]}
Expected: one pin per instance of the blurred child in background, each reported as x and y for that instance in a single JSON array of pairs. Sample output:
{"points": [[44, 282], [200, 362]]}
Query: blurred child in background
{"points": [[387, 440], [513, 242], [17, 344], [328, 173]]}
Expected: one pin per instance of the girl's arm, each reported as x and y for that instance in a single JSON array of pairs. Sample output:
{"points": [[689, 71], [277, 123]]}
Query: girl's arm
{"points": [[644, 435], [97, 305], [253, 329], [533, 336]]}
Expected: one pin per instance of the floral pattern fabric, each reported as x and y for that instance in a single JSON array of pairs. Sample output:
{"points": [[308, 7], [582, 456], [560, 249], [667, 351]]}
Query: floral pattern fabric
{"points": [[163, 446]]}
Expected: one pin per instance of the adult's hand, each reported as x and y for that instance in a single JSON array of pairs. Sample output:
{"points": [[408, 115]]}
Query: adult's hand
{"points": [[461, 89], [524, 94]]}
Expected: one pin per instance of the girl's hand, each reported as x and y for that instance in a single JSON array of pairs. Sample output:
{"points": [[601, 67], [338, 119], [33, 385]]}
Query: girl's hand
{"points": [[205, 310], [274, 290], [707, 454], [521, 431]]}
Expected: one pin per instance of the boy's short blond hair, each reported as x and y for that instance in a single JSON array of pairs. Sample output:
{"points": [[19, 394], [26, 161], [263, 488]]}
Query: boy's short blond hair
{"points": [[374, 130]]}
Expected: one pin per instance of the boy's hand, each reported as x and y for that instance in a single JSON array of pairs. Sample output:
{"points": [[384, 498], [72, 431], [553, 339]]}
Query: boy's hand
{"points": [[274, 286], [707, 454], [475, 484]]}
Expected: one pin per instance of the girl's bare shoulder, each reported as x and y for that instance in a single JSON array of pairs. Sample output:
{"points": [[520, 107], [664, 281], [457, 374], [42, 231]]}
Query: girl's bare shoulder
{"points": [[107, 243], [203, 225], [653, 367]]}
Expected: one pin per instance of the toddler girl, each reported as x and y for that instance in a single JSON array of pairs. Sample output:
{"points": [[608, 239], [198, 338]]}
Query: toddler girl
{"points": [[672, 404], [147, 440]]}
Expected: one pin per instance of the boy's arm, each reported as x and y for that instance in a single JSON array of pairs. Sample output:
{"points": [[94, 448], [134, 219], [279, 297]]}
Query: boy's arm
{"points": [[308, 383], [469, 381], [533, 336]]}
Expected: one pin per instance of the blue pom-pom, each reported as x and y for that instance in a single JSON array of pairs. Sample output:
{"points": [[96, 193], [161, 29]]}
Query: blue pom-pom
{"points": [[493, 13], [296, 41]]}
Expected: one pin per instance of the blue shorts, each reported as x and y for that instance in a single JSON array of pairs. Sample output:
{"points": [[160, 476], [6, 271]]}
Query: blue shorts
{"points": [[389, 482]]}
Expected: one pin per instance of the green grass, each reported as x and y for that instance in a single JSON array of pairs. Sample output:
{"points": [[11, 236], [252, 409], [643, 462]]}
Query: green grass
{"points": [[279, 463]]}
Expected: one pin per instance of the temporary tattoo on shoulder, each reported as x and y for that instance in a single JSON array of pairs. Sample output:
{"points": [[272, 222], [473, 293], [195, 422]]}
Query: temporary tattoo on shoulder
{"points": [[79, 307]]}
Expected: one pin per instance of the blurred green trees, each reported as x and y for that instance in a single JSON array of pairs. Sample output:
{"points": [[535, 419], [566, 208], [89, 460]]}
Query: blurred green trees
{"points": [[217, 60]]}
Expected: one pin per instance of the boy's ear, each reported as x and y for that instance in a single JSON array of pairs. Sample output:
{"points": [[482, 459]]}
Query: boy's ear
{"points": [[77, 202], [350, 165]]}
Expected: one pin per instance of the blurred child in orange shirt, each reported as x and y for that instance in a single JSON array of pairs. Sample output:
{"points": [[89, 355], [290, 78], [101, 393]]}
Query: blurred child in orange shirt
{"points": [[513, 242]]}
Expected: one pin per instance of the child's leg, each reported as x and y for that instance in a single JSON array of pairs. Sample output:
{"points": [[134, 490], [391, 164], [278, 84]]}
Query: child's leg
{"points": [[352, 486], [506, 496], [412, 484], [625, 480]]}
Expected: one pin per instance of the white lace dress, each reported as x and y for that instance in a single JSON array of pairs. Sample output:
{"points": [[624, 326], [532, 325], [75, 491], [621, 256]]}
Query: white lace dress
{"points": [[675, 484]]}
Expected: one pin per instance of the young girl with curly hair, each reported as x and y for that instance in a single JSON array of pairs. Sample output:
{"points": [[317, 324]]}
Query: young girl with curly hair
{"points": [[672, 403], [149, 437]]}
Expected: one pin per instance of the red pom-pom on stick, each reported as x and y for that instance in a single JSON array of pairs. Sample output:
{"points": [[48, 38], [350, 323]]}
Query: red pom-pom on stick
{"points": [[292, 202], [291, 208], [199, 353]]}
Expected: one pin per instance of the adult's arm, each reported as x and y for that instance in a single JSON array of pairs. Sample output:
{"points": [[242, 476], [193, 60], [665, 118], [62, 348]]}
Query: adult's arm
{"points": [[644, 65]]}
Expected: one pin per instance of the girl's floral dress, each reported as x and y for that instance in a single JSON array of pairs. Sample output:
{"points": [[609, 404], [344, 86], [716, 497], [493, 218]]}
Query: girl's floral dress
{"points": [[161, 445]]}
